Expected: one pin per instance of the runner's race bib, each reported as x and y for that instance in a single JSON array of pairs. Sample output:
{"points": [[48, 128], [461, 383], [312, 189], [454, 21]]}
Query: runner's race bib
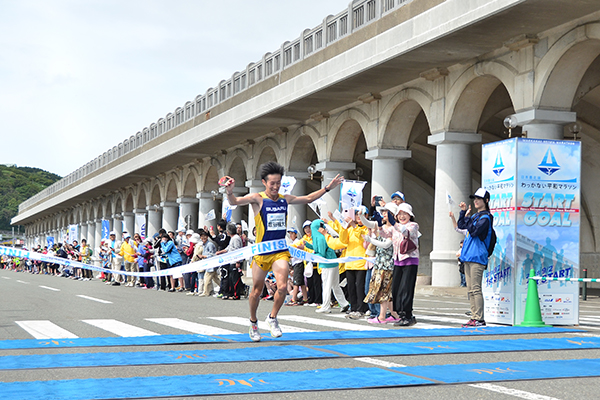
{"points": [[276, 222]]}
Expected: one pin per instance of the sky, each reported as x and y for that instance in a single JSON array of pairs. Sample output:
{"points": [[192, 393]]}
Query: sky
{"points": [[77, 77]]}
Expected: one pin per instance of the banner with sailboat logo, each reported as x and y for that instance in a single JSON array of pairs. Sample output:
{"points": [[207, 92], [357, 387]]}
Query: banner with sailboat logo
{"points": [[535, 200], [548, 199], [499, 177]]}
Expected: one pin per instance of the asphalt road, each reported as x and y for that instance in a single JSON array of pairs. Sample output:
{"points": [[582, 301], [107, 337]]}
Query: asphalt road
{"points": [[27, 298]]}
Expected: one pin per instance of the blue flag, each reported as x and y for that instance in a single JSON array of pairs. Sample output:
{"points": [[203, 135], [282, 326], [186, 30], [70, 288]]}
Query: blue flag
{"points": [[105, 228]]}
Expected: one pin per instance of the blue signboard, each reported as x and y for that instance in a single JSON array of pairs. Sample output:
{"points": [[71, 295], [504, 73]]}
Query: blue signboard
{"points": [[535, 199]]}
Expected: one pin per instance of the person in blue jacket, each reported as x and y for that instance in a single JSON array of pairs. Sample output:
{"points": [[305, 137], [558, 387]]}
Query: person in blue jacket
{"points": [[474, 253], [173, 257]]}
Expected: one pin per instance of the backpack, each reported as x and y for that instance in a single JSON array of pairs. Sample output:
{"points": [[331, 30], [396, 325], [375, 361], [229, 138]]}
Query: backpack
{"points": [[493, 237]]}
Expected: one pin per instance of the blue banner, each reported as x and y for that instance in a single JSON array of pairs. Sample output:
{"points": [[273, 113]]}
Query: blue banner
{"points": [[105, 228], [549, 202], [499, 163]]}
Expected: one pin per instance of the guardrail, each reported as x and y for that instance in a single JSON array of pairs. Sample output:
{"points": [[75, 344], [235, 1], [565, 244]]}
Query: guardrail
{"points": [[359, 14]]}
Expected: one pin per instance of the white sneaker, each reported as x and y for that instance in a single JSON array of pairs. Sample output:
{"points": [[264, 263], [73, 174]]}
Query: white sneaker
{"points": [[323, 310], [274, 326], [253, 332]]}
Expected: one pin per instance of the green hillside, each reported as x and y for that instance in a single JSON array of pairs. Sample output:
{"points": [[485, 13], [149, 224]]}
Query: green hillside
{"points": [[17, 184]]}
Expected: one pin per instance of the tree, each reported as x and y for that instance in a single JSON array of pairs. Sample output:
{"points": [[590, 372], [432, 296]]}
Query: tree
{"points": [[17, 184]]}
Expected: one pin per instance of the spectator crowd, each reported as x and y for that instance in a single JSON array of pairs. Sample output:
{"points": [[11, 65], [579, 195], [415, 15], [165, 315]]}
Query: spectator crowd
{"points": [[379, 287]]}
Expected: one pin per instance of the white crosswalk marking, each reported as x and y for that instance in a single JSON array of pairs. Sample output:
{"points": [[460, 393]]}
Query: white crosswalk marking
{"points": [[193, 327], [45, 330], [261, 324], [329, 323], [119, 328], [94, 299], [379, 362], [419, 323], [50, 288]]}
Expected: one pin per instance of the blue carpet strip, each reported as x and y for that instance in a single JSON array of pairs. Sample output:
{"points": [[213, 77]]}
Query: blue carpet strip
{"points": [[313, 380], [296, 336], [290, 352]]}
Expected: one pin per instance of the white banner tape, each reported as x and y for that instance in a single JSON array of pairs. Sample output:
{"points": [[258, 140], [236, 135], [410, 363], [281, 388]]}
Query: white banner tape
{"points": [[213, 262]]}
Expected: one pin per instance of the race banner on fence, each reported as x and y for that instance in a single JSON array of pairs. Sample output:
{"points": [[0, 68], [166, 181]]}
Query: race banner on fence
{"points": [[213, 262]]}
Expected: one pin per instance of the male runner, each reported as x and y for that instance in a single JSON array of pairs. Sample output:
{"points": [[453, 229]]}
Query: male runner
{"points": [[270, 210]]}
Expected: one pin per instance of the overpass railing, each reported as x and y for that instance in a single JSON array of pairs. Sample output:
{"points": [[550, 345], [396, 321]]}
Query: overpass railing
{"points": [[359, 14]]}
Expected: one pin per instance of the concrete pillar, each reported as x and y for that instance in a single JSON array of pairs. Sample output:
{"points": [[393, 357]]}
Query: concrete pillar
{"points": [[97, 234], [142, 228], [170, 215], [544, 124], [129, 222], [83, 231], [254, 186], [91, 235], [298, 211], [117, 226], [206, 203], [387, 171], [154, 220], [188, 209], [330, 169], [239, 213], [453, 175]]}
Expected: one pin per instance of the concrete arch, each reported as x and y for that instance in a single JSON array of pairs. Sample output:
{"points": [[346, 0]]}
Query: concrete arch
{"points": [[211, 179], [396, 132], [346, 138], [259, 152], [118, 203], [172, 187], [237, 170], [303, 148], [107, 208], [129, 202], [561, 69], [238, 154], [190, 183], [469, 94], [196, 171], [143, 196], [399, 109], [267, 154], [156, 193], [337, 145]]}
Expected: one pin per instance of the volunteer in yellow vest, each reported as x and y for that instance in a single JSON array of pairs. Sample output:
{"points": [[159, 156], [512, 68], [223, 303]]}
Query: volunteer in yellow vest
{"points": [[129, 253], [270, 210], [356, 271]]}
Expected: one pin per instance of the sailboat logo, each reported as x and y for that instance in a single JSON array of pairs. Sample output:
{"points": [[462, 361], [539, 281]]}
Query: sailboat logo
{"points": [[549, 164], [499, 165]]}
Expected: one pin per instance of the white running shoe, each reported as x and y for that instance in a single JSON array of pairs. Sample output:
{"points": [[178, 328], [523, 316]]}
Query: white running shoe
{"points": [[274, 326], [253, 332]]}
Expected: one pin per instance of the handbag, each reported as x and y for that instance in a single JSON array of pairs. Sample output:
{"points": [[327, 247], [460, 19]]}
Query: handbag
{"points": [[407, 245]]}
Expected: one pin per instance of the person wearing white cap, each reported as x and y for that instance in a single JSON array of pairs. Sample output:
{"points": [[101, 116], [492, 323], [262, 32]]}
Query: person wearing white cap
{"points": [[398, 197], [298, 271], [128, 252], [314, 284], [194, 252], [406, 263], [115, 246], [474, 252], [380, 285]]}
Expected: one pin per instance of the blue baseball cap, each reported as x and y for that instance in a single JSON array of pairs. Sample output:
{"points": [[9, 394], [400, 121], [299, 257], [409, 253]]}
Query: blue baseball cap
{"points": [[398, 194]]}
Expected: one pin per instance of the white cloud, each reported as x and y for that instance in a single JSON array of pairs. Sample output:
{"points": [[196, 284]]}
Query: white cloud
{"points": [[79, 77]]}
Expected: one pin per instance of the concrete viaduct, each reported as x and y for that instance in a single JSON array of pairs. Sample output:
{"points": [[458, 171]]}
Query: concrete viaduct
{"points": [[398, 93]]}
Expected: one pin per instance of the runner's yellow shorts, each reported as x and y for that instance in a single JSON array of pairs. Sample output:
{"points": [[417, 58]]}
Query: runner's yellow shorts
{"points": [[265, 262]]}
